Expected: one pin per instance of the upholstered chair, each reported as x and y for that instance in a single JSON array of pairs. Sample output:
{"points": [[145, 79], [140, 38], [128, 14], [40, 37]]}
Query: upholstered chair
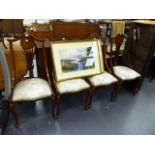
{"points": [[121, 65], [30, 89], [105, 78], [69, 86]]}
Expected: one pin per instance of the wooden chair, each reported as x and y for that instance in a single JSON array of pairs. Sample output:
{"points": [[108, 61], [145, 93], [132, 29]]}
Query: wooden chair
{"points": [[30, 89], [69, 86], [123, 72], [105, 78]]}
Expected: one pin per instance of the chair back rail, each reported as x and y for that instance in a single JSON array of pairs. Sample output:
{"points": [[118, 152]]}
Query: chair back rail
{"points": [[97, 36], [49, 74], [28, 46], [115, 54]]}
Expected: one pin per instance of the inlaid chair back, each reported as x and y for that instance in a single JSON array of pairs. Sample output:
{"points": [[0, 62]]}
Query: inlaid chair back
{"points": [[28, 52], [118, 42], [28, 45]]}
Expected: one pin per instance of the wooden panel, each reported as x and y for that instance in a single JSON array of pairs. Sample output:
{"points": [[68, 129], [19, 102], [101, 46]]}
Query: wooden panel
{"points": [[12, 26], [74, 30], [142, 50], [21, 67]]}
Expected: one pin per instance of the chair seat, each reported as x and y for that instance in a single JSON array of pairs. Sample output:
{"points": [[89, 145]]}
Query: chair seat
{"points": [[125, 73], [71, 86], [31, 89], [102, 79]]}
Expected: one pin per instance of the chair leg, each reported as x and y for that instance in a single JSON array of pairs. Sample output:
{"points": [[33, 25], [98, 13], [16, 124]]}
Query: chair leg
{"points": [[137, 87], [116, 90], [89, 99], [56, 107], [12, 110], [31, 71]]}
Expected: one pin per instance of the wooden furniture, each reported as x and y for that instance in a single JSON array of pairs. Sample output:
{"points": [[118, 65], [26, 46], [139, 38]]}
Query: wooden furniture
{"points": [[141, 46], [105, 78], [69, 29], [12, 27], [123, 71], [74, 29], [21, 68], [33, 88], [69, 86], [4, 99], [28, 53]]}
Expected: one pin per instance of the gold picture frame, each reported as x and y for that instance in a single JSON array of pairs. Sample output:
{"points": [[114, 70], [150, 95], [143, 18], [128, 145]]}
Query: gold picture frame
{"points": [[74, 59]]}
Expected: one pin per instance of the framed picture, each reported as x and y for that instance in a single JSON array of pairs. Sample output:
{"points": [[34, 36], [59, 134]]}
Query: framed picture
{"points": [[74, 59]]}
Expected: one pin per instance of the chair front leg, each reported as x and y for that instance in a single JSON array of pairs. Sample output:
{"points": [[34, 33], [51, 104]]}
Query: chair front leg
{"points": [[13, 112], [89, 98], [56, 106]]}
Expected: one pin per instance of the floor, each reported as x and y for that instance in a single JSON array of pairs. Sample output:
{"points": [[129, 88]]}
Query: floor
{"points": [[128, 115]]}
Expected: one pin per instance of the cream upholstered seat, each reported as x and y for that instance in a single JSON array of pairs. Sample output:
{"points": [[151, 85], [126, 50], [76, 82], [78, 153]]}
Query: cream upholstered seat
{"points": [[31, 89], [125, 73], [71, 86], [102, 79]]}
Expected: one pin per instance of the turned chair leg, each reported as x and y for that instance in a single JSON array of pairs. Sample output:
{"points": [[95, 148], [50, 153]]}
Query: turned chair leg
{"points": [[56, 107], [116, 90], [13, 112]]}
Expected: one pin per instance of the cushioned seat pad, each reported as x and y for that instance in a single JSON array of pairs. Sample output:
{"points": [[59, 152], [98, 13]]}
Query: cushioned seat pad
{"points": [[70, 86], [31, 89], [125, 73], [102, 79]]}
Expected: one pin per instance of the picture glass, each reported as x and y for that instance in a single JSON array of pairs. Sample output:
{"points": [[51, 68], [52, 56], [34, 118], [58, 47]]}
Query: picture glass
{"points": [[75, 59]]}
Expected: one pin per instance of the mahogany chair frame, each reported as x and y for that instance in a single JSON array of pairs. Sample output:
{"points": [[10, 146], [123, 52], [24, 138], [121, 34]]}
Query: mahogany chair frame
{"points": [[56, 112], [107, 68], [114, 57], [33, 45]]}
